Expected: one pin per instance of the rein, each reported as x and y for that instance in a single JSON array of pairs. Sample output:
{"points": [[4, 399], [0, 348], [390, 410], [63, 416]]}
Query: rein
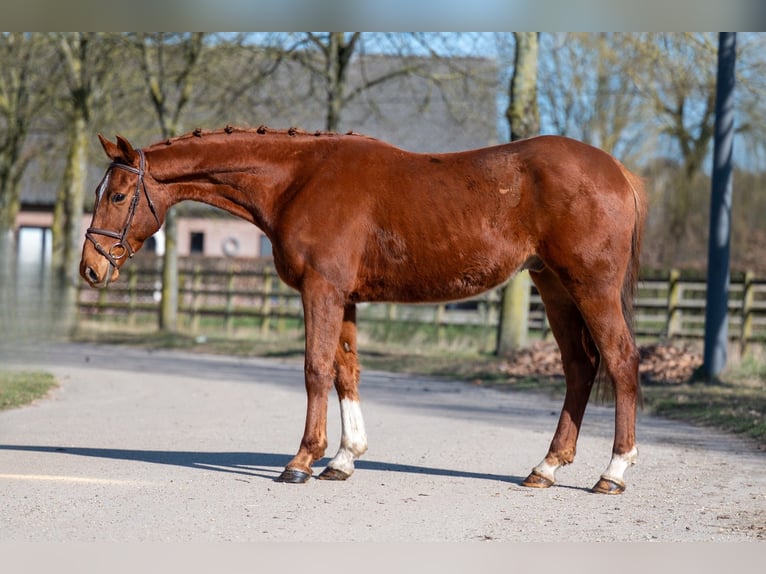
{"points": [[122, 247]]}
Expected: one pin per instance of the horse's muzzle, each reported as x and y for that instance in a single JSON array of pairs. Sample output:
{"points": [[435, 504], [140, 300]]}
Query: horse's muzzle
{"points": [[99, 278]]}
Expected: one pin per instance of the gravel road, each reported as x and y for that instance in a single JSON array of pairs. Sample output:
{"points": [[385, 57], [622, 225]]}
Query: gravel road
{"points": [[138, 445]]}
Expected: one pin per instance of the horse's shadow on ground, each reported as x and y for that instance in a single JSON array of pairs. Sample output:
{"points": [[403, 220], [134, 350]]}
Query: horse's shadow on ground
{"points": [[250, 464]]}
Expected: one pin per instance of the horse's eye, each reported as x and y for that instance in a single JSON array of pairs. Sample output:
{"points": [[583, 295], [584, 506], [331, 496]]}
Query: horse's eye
{"points": [[118, 197]]}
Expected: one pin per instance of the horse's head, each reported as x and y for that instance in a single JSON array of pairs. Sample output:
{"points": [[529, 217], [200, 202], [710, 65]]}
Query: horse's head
{"points": [[124, 215]]}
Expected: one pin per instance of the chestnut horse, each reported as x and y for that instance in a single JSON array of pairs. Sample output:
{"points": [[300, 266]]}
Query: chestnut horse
{"points": [[354, 219]]}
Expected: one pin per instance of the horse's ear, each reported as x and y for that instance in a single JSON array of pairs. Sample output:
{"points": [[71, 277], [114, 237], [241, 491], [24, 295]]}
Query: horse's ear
{"points": [[127, 153], [111, 149]]}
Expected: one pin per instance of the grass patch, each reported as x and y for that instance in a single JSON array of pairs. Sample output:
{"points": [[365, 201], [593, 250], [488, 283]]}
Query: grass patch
{"points": [[471, 366], [737, 410], [287, 346], [735, 402], [21, 388]]}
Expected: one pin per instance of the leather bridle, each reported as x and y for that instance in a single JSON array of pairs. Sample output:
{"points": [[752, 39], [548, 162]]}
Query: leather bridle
{"points": [[122, 247]]}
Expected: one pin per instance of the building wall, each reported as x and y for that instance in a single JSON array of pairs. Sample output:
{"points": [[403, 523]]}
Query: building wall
{"points": [[221, 236]]}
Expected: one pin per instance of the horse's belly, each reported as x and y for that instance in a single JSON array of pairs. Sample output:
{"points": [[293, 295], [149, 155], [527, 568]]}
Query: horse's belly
{"points": [[433, 281]]}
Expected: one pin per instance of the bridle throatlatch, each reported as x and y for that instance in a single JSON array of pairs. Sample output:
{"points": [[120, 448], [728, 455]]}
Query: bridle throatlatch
{"points": [[122, 248]]}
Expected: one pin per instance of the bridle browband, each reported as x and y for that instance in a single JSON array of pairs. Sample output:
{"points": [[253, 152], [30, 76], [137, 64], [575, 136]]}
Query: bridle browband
{"points": [[122, 248]]}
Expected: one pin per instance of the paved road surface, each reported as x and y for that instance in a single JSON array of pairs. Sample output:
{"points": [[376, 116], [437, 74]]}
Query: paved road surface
{"points": [[169, 446]]}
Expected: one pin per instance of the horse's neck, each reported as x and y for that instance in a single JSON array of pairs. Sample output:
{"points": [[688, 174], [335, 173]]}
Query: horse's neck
{"points": [[247, 182]]}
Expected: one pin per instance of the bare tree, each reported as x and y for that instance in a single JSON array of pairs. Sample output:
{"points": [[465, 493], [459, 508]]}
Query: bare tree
{"points": [[587, 92], [86, 63], [236, 69], [649, 100], [679, 82], [169, 63], [677, 77], [424, 56], [328, 56], [23, 94]]}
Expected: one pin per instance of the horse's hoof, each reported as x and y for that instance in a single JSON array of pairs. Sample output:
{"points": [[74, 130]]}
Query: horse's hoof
{"points": [[537, 480], [608, 486], [330, 473], [293, 476]]}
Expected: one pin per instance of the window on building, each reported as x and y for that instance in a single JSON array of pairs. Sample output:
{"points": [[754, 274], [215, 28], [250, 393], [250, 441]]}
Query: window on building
{"points": [[150, 245], [197, 243]]}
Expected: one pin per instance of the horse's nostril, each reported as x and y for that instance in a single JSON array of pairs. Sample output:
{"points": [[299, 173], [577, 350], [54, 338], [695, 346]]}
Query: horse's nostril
{"points": [[92, 275]]}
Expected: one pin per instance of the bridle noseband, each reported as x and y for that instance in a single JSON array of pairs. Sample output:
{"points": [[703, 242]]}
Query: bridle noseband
{"points": [[122, 248]]}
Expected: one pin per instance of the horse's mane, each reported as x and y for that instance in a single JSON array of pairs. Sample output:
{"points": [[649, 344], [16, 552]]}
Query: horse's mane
{"points": [[260, 130]]}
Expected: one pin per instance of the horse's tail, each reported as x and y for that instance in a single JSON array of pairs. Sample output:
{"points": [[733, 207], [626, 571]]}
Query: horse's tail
{"points": [[630, 282]]}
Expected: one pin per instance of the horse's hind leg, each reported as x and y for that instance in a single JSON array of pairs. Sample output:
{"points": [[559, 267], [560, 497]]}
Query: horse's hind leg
{"points": [[579, 358], [599, 300], [353, 441], [617, 347]]}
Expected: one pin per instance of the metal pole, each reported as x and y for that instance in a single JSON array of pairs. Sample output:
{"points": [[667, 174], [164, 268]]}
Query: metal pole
{"points": [[716, 313]]}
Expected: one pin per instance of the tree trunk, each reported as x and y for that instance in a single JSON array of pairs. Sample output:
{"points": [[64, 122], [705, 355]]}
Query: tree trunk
{"points": [[338, 53], [160, 82], [8, 301], [523, 114], [169, 301], [334, 84], [10, 200], [524, 120], [67, 225]]}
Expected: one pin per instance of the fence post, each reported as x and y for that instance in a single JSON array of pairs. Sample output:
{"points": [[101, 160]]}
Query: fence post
{"points": [[102, 303], [674, 298], [492, 319], [229, 311], [196, 297], [284, 308], [748, 297], [266, 301], [546, 327], [132, 295], [439, 321]]}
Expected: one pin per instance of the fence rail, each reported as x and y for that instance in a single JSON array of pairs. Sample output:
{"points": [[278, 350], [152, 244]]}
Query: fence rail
{"points": [[231, 293]]}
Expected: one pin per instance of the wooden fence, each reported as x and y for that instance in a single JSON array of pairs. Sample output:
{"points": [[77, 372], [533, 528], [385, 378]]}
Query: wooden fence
{"points": [[230, 294]]}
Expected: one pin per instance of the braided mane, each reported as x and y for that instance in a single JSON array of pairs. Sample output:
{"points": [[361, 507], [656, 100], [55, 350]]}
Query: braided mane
{"points": [[260, 130]]}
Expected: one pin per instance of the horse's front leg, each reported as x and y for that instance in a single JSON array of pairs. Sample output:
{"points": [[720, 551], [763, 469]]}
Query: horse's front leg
{"points": [[353, 440], [323, 315]]}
